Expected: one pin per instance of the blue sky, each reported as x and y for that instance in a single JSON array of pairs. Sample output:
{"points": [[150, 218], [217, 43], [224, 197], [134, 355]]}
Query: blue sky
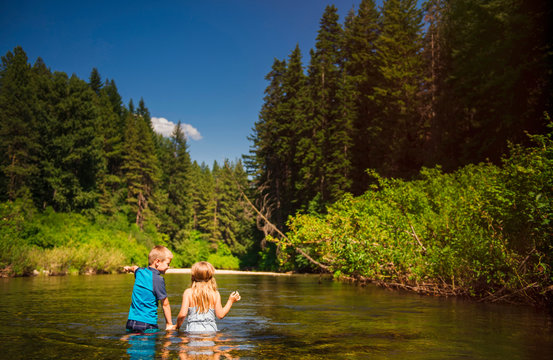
{"points": [[200, 62]]}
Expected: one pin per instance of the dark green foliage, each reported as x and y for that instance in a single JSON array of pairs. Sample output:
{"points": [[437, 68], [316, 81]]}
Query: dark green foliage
{"points": [[18, 130], [491, 76]]}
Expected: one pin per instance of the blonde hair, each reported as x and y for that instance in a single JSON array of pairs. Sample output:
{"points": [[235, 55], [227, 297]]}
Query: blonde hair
{"points": [[203, 286], [159, 252]]}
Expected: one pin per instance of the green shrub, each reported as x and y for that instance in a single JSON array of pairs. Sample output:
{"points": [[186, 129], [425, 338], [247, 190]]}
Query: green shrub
{"points": [[481, 229]]}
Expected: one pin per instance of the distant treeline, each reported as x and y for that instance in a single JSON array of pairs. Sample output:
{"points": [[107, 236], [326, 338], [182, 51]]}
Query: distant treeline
{"points": [[71, 146], [396, 88]]}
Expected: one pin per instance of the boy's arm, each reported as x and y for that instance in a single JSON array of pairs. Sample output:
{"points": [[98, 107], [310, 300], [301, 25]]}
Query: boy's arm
{"points": [[167, 312], [130, 268]]}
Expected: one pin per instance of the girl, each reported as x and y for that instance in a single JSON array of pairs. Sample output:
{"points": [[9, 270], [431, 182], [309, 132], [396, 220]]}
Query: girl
{"points": [[201, 302]]}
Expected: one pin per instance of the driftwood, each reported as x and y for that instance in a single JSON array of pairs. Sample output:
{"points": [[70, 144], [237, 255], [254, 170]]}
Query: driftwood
{"points": [[280, 233]]}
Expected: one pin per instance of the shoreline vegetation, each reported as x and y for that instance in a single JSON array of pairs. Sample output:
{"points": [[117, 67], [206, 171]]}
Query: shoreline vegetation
{"points": [[484, 231]]}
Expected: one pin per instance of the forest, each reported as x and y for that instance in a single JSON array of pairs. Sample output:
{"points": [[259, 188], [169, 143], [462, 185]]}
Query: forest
{"points": [[87, 186], [400, 153], [412, 150]]}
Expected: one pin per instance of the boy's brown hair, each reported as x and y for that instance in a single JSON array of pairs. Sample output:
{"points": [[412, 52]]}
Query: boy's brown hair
{"points": [[159, 252]]}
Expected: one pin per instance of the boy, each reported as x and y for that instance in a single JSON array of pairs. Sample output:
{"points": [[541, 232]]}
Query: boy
{"points": [[149, 287]]}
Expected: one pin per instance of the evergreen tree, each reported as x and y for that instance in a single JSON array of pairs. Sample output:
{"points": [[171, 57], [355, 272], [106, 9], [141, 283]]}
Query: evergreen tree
{"points": [[110, 129], [131, 109], [208, 220], [361, 73], [111, 91], [144, 113], [326, 155], [95, 81], [71, 156], [266, 164], [398, 131], [294, 103], [229, 210], [141, 169], [178, 187], [196, 186], [18, 131]]}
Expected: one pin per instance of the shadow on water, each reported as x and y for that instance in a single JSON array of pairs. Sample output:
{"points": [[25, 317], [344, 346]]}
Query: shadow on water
{"points": [[298, 317]]}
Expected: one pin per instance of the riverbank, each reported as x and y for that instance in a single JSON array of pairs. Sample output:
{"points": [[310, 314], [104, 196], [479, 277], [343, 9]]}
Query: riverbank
{"points": [[232, 272]]}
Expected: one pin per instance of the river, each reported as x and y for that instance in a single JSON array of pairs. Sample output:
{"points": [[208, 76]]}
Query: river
{"points": [[279, 317]]}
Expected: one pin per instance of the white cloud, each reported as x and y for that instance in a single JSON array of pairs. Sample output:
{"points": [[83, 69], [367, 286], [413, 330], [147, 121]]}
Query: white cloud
{"points": [[165, 127]]}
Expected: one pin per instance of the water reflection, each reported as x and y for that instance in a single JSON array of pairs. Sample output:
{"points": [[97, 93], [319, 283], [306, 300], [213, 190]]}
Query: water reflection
{"points": [[213, 346], [200, 346], [142, 345]]}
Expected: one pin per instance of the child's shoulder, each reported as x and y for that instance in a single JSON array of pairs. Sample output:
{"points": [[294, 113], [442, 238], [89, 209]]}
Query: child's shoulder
{"points": [[187, 292]]}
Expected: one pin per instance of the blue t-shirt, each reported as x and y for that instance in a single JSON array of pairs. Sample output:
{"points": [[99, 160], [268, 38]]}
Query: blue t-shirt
{"points": [[149, 287]]}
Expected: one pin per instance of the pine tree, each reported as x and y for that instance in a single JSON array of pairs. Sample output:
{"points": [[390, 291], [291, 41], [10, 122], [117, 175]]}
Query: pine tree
{"points": [[110, 129], [228, 220], [42, 85], [141, 169], [178, 187], [144, 113], [208, 221], [326, 150], [294, 104], [361, 73], [71, 157], [111, 91], [18, 131], [95, 81], [265, 162], [196, 185], [398, 126]]}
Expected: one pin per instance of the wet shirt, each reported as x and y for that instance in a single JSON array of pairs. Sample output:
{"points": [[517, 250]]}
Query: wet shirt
{"points": [[149, 287], [201, 322]]}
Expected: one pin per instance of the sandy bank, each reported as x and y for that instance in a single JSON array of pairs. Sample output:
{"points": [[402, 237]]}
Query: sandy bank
{"points": [[230, 272]]}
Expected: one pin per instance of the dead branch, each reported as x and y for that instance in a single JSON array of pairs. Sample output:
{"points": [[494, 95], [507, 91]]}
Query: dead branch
{"points": [[280, 233]]}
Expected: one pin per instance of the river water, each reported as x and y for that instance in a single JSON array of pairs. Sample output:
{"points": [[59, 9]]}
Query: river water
{"points": [[279, 317]]}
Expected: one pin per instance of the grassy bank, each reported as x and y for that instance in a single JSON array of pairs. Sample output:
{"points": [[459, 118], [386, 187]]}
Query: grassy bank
{"points": [[55, 243]]}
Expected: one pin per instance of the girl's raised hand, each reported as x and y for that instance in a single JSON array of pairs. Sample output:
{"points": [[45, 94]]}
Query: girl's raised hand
{"points": [[235, 296]]}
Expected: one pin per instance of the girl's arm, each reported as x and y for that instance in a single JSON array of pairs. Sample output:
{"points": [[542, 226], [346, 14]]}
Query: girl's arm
{"points": [[221, 311], [184, 308]]}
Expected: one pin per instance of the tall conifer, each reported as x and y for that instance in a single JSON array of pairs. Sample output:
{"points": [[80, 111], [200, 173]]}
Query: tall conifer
{"points": [[18, 131], [398, 122], [361, 73]]}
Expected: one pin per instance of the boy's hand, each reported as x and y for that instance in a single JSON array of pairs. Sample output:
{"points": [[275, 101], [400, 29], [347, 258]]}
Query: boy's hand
{"points": [[234, 297], [130, 268], [171, 327]]}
